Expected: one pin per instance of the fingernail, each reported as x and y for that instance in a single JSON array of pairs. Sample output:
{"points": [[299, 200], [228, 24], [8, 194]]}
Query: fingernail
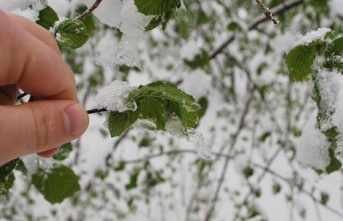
{"points": [[75, 119]]}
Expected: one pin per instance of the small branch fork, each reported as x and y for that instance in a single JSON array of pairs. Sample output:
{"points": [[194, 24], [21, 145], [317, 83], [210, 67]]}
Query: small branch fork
{"points": [[89, 11], [267, 12]]}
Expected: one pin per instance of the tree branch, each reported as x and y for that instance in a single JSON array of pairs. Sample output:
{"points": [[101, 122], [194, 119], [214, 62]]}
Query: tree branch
{"points": [[300, 188], [226, 163], [20, 96], [267, 12], [275, 11], [89, 11], [96, 110]]}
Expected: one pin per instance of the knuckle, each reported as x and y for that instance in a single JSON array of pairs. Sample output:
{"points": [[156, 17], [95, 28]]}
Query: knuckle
{"points": [[43, 122]]}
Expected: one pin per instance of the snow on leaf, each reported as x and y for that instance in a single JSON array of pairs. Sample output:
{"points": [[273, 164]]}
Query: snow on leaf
{"points": [[313, 147], [113, 97]]}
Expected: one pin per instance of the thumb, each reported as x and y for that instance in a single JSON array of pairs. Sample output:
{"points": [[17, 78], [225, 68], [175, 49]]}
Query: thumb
{"points": [[39, 126]]}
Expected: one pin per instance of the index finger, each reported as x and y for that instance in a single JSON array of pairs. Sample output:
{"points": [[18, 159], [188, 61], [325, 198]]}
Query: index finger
{"points": [[32, 65]]}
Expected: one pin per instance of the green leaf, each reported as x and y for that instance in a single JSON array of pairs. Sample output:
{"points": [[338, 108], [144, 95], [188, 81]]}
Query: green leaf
{"points": [[7, 169], [248, 172], [57, 184], [153, 109], [6, 176], [234, 26], [203, 102], [159, 100], [264, 136], [64, 151], [154, 23], [118, 122], [300, 62], [276, 188], [47, 18], [71, 33], [199, 61], [6, 185], [335, 164], [318, 4], [165, 91], [324, 198], [133, 180], [120, 166], [21, 167], [156, 7], [189, 119], [335, 48]]}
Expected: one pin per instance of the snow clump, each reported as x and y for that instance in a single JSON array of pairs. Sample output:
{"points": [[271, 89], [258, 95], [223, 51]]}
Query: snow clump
{"points": [[123, 15], [313, 36], [313, 146], [113, 97], [25, 8], [174, 127]]}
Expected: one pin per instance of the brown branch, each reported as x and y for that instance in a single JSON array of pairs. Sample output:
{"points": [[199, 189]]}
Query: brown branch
{"points": [[300, 188], [21, 96], [275, 11], [267, 12], [96, 110], [89, 11], [226, 163]]}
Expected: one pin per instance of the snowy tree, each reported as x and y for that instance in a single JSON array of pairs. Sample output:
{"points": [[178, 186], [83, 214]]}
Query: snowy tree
{"points": [[199, 110]]}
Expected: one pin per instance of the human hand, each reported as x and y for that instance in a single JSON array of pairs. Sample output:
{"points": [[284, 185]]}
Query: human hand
{"points": [[30, 60]]}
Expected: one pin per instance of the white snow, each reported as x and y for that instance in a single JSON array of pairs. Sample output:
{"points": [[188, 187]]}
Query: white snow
{"points": [[174, 127], [108, 12], [113, 97], [330, 84], [312, 147], [124, 16], [22, 8], [144, 124], [313, 35], [336, 7], [201, 147]]}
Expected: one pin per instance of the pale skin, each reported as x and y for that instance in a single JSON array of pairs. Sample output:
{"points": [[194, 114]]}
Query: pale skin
{"points": [[30, 60]]}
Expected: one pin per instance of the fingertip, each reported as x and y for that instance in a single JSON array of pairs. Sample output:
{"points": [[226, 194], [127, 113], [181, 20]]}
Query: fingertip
{"points": [[76, 119]]}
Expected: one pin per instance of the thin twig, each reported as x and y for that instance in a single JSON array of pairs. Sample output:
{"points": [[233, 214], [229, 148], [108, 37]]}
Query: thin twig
{"points": [[89, 11], [300, 188], [226, 163], [21, 96], [96, 110], [275, 11], [267, 12], [115, 146]]}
